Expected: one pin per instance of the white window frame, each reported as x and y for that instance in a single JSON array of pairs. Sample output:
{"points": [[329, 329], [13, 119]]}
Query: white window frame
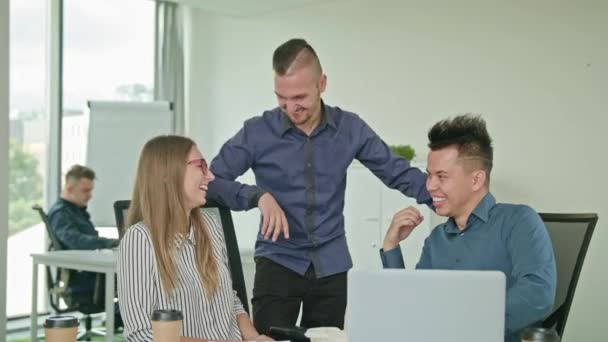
{"points": [[4, 134]]}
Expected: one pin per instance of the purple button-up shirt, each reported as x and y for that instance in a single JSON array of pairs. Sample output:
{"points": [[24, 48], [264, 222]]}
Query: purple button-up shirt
{"points": [[307, 177]]}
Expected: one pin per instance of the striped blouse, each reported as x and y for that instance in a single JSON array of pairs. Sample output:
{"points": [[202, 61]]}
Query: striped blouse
{"points": [[140, 288]]}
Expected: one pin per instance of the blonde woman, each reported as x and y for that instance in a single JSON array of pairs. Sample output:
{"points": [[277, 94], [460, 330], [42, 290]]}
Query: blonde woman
{"points": [[173, 256]]}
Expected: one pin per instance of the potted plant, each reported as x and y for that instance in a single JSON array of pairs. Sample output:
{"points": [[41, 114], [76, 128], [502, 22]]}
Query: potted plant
{"points": [[405, 151]]}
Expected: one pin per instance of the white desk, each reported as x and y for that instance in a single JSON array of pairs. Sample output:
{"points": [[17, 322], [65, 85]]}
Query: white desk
{"points": [[101, 261]]}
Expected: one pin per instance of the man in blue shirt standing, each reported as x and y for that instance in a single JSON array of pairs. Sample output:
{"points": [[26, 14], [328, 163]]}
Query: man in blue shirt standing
{"points": [[299, 153], [479, 234]]}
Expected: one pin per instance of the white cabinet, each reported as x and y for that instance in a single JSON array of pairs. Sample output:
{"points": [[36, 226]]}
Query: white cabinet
{"points": [[369, 209], [362, 219]]}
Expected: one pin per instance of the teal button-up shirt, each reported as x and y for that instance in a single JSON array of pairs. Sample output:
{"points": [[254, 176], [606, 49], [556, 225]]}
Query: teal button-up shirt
{"points": [[503, 237]]}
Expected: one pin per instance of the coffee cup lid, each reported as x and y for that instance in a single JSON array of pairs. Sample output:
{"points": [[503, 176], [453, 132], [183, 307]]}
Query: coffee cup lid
{"points": [[61, 322], [167, 315], [540, 334]]}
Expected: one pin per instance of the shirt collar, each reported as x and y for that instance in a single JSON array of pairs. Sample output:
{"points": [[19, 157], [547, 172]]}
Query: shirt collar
{"points": [[482, 212], [74, 207], [326, 119], [72, 204], [286, 124]]}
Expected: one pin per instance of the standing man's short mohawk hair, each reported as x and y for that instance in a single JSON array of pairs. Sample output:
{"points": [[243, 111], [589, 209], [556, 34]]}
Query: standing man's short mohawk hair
{"points": [[294, 54]]}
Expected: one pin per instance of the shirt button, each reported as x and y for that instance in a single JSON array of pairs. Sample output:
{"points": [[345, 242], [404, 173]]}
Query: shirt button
{"points": [[457, 260], [309, 165]]}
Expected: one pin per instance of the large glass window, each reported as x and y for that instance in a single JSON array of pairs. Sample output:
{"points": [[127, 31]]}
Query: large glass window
{"points": [[28, 147], [108, 54]]}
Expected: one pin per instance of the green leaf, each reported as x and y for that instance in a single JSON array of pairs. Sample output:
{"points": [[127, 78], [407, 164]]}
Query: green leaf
{"points": [[405, 151]]}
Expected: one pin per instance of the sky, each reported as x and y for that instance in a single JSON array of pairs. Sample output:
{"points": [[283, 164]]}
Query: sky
{"points": [[107, 43]]}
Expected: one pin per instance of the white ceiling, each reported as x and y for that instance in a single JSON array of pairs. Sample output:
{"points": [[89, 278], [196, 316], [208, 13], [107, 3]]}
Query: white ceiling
{"points": [[246, 8]]}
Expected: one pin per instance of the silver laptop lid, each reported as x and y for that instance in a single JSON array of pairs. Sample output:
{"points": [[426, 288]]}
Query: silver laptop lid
{"points": [[425, 305]]}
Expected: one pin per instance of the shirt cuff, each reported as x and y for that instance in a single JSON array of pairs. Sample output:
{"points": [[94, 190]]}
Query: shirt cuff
{"points": [[254, 197], [393, 258]]}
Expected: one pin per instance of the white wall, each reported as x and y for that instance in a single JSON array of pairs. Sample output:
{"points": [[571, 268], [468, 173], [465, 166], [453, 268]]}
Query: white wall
{"points": [[537, 71], [4, 53], [199, 35]]}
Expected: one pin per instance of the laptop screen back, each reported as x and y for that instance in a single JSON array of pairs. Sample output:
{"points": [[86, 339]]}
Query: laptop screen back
{"points": [[425, 305]]}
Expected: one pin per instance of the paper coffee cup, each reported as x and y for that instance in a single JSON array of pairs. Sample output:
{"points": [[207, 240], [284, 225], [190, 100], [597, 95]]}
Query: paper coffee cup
{"points": [[166, 325], [61, 329]]}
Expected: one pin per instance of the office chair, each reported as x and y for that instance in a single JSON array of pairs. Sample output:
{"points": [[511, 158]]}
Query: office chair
{"points": [[570, 236], [234, 256], [121, 209], [58, 287]]}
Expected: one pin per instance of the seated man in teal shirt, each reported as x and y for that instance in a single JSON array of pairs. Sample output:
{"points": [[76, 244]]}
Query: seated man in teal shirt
{"points": [[479, 234]]}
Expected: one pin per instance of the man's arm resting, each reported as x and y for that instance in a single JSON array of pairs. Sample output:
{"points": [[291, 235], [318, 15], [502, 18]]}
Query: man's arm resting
{"points": [[71, 237], [395, 172], [528, 302], [234, 159], [532, 294], [235, 195]]}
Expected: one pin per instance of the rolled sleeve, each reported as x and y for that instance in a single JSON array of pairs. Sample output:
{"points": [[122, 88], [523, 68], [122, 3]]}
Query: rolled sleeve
{"points": [[393, 258]]}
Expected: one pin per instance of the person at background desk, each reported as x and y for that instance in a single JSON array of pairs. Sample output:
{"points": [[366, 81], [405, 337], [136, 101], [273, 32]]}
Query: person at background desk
{"points": [[173, 255], [480, 234], [71, 223], [300, 152]]}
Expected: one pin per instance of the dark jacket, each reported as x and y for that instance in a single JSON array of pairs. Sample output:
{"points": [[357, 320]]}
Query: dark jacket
{"points": [[74, 230]]}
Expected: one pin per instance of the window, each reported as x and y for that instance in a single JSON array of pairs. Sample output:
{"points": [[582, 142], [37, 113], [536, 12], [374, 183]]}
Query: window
{"points": [[108, 54], [28, 132]]}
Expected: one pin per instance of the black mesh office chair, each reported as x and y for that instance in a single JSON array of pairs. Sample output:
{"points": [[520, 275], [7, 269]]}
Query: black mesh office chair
{"points": [[232, 246], [58, 282], [570, 235], [120, 212]]}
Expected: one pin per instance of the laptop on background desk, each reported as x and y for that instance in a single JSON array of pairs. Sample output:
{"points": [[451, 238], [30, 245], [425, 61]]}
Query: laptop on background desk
{"points": [[425, 306]]}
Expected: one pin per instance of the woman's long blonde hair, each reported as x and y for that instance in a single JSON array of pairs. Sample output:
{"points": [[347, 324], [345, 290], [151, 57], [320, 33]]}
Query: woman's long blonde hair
{"points": [[159, 201]]}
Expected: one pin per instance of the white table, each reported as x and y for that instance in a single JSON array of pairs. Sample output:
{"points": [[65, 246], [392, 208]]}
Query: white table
{"points": [[101, 261]]}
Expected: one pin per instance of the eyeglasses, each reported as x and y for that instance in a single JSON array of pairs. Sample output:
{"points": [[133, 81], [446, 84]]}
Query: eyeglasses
{"points": [[201, 164]]}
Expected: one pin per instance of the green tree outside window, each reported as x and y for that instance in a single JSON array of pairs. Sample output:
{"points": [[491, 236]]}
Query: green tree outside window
{"points": [[25, 189]]}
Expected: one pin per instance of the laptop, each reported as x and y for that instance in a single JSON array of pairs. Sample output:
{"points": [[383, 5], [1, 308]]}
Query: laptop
{"points": [[425, 305]]}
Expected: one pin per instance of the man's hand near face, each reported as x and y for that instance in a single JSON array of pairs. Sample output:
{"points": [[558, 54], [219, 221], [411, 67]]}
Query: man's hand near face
{"points": [[401, 227]]}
